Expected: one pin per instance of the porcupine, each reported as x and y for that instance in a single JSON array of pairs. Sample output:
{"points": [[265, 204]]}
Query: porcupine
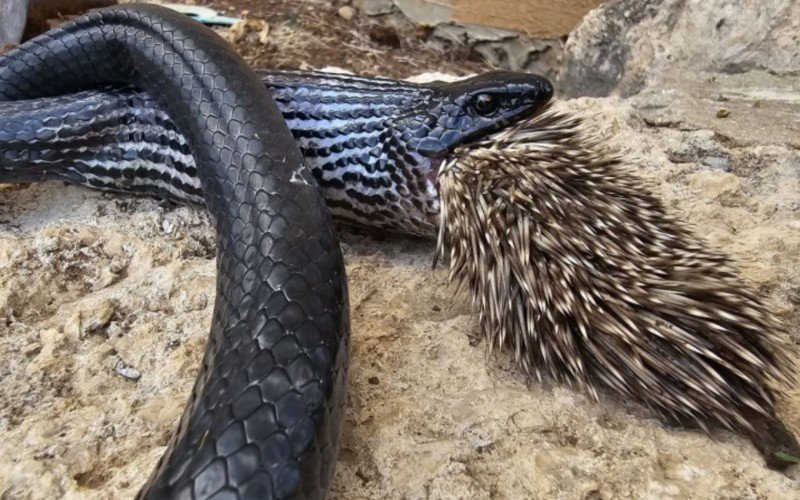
{"points": [[577, 268]]}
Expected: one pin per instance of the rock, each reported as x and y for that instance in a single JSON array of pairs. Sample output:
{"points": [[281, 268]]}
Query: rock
{"points": [[89, 320], [347, 13], [250, 30], [599, 56], [424, 12], [720, 163], [502, 48], [263, 35], [12, 21], [715, 185], [73, 327], [127, 372], [537, 19], [503, 35], [237, 31], [375, 7], [50, 342], [98, 318], [723, 113], [625, 45]]}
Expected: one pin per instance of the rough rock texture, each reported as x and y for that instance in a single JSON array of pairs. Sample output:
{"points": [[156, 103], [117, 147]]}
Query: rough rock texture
{"points": [[12, 21], [625, 45], [40, 12], [105, 305], [536, 18], [497, 38], [503, 49]]}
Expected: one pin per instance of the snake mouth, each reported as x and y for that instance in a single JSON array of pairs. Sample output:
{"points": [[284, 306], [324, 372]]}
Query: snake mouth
{"points": [[516, 135], [542, 126]]}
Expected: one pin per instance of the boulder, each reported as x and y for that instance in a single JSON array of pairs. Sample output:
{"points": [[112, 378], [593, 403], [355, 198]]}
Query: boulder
{"points": [[625, 45], [12, 21]]}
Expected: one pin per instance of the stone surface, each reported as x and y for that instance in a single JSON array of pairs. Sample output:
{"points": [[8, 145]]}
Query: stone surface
{"points": [[346, 12], [42, 12], [375, 7], [539, 19], [12, 21], [504, 49], [519, 36], [426, 12], [625, 45], [251, 30]]}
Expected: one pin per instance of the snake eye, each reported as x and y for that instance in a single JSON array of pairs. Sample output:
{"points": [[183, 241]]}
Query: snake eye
{"points": [[485, 104]]}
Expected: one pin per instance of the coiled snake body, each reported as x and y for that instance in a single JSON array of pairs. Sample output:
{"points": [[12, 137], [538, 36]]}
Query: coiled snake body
{"points": [[264, 417]]}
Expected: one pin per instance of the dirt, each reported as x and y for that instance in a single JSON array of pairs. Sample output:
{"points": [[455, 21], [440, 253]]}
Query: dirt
{"points": [[312, 34], [105, 305]]}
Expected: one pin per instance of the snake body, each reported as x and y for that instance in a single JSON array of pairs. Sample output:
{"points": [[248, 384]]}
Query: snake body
{"points": [[373, 145], [264, 417]]}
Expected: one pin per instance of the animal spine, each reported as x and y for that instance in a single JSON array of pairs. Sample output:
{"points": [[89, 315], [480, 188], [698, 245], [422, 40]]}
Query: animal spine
{"points": [[576, 267]]}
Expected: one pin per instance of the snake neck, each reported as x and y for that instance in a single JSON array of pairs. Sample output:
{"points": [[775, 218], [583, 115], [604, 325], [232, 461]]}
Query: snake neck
{"points": [[356, 136]]}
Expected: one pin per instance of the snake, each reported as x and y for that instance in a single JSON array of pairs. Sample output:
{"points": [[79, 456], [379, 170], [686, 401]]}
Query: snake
{"points": [[141, 100]]}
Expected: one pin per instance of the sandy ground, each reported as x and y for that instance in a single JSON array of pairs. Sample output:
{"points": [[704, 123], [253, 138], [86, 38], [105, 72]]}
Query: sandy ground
{"points": [[105, 305]]}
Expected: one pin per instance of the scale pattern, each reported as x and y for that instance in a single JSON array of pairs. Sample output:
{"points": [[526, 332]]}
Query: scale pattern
{"points": [[265, 414], [373, 145], [263, 420]]}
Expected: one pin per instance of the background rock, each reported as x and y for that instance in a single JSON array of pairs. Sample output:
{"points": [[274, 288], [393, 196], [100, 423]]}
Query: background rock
{"points": [[42, 12], [540, 19], [12, 21], [503, 49], [625, 45], [521, 36]]}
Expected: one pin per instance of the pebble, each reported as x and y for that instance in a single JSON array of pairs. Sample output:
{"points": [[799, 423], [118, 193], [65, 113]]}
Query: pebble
{"points": [[723, 113], [128, 372], [241, 29], [263, 35], [720, 163], [237, 31], [347, 13], [167, 226]]}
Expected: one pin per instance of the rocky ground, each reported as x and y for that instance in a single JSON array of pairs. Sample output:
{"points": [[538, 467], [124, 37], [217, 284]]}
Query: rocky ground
{"points": [[105, 305]]}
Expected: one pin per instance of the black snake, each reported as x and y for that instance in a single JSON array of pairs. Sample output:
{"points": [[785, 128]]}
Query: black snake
{"points": [[265, 414]]}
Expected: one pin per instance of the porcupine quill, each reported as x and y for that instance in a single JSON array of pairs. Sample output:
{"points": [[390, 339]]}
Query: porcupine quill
{"points": [[578, 269]]}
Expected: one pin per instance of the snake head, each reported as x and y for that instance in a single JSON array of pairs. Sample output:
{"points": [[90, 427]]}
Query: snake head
{"points": [[465, 110]]}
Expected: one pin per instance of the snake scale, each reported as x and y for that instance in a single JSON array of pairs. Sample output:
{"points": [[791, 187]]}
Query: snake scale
{"points": [[141, 100]]}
